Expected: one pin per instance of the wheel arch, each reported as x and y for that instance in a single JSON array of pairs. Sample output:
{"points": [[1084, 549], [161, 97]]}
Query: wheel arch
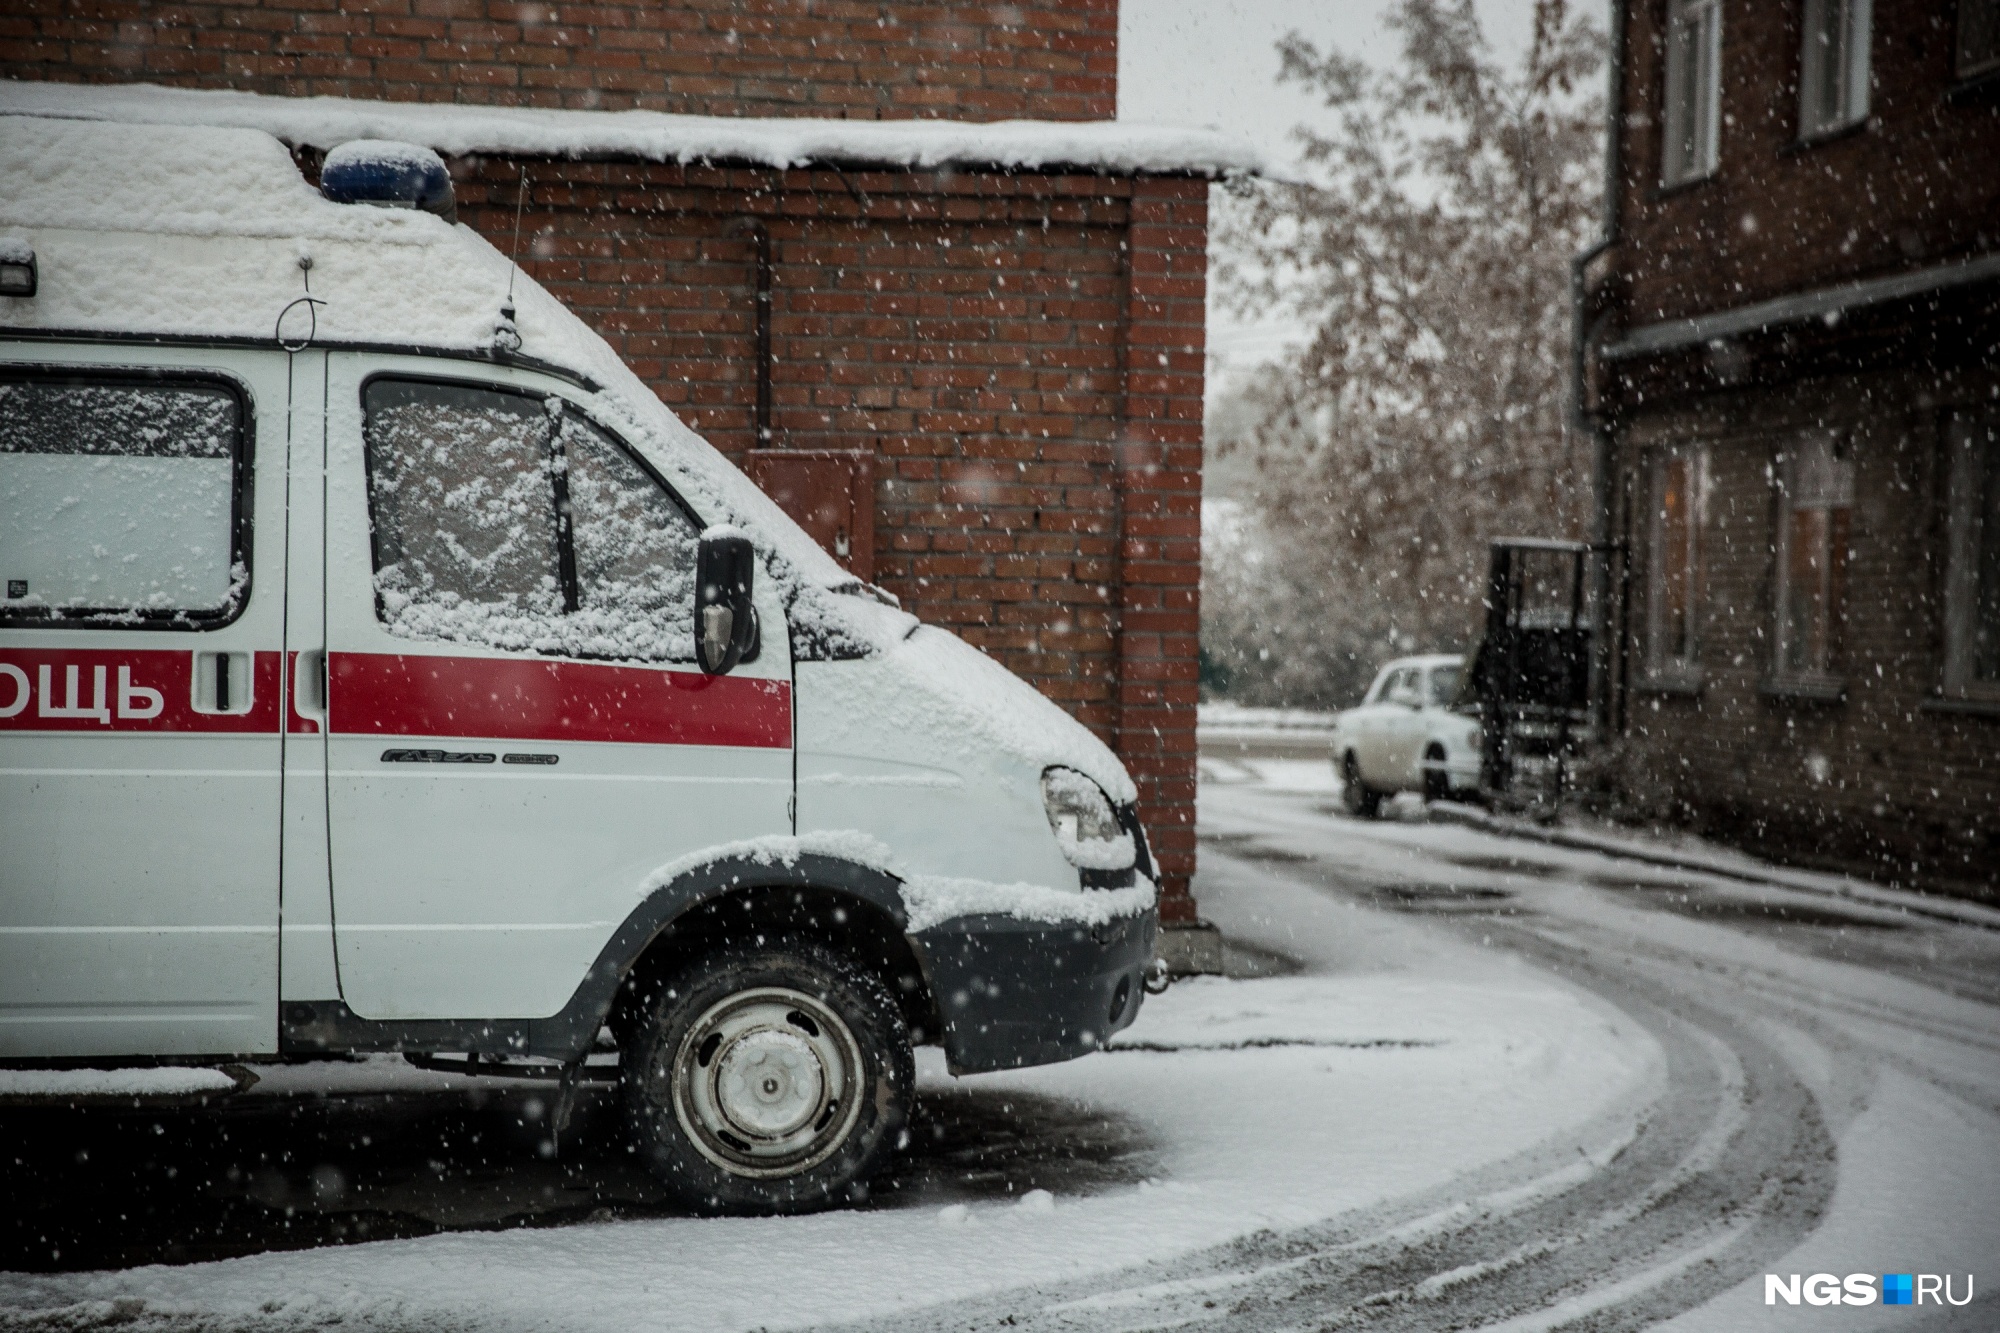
{"points": [[860, 915]]}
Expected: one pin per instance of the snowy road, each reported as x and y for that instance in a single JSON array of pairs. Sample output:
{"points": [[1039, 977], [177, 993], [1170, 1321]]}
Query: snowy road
{"points": [[1831, 1099], [1496, 1085]]}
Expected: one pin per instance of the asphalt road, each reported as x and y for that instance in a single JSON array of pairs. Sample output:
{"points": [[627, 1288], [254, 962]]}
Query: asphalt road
{"points": [[1794, 1026]]}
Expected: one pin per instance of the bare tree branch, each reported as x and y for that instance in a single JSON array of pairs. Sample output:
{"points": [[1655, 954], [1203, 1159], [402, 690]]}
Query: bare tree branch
{"points": [[1425, 415]]}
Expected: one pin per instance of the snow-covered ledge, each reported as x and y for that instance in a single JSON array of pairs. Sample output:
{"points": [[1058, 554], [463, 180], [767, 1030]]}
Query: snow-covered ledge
{"points": [[787, 141]]}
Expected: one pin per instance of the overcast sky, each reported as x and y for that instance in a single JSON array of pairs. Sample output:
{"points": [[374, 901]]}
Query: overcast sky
{"points": [[1214, 63]]}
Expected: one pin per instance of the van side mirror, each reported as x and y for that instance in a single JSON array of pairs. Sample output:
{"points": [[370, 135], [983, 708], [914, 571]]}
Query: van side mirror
{"points": [[725, 621]]}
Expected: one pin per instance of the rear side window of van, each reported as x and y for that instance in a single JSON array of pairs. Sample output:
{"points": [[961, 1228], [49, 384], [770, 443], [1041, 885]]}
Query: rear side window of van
{"points": [[121, 502], [509, 521]]}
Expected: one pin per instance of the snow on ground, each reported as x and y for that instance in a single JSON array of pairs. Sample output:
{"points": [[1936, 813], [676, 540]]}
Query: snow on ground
{"points": [[1906, 1133], [1584, 840], [1239, 717], [1882, 1005], [1306, 777], [1394, 1063], [169, 1081]]}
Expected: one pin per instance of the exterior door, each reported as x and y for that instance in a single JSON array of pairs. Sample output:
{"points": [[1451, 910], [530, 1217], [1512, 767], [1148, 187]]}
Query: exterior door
{"points": [[142, 548], [519, 744]]}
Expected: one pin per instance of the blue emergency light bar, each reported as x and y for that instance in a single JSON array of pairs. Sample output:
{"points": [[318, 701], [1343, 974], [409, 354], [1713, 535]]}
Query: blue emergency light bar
{"points": [[18, 275], [388, 174]]}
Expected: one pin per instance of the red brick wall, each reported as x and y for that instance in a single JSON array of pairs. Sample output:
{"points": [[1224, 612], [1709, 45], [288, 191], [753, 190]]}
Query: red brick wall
{"points": [[1045, 59], [1886, 779], [1881, 782], [1023, 355], [1916, 185], [1161, 548]]}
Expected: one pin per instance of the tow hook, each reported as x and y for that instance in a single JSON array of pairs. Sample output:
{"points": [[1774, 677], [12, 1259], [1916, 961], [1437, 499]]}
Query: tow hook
{"points": [[1158, 978]]}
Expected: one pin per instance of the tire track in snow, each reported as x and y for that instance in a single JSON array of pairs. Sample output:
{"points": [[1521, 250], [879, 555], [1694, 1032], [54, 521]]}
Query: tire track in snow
{"points": [[1731, 1167]]}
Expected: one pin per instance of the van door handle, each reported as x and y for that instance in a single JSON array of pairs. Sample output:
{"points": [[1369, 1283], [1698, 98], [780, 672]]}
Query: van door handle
{"points": [[222, 683], [309, 686]]}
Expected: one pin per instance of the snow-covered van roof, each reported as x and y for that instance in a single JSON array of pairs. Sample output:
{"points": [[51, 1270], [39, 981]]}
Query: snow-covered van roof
{"points": [[198, 232], [781, 141]]}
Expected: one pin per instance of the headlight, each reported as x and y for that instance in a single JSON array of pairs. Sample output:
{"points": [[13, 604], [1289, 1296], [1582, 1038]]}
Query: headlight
{"points": [[1473, 739], [1086, 827]]}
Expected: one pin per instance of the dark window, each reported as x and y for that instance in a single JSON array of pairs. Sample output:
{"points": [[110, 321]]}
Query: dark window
{"points": [[467, 487], [1816, 494], [1972, 571], [1978, 36], [1833, 65], [1693, 110], [1673, 591], [121, 502]]}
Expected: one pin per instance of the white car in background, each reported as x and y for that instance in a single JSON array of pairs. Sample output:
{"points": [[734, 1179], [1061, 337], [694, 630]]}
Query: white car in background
{"points": [[1406, 736]]}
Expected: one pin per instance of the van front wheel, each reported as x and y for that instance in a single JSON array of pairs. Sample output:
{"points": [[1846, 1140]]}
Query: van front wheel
{"points": [[773, 1080]]}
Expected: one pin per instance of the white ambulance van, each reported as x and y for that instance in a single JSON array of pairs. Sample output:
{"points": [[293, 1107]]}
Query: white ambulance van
{"points": [[383, 668]]}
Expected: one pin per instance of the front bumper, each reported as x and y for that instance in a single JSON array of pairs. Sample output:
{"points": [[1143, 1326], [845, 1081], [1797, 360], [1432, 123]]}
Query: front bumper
{"points": [[1014, 993]]}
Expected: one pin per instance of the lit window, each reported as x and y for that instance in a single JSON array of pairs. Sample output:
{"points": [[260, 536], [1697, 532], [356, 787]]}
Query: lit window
{"points": [[1694, 89], [1972, 572], [1679, 479], [1833, 66], [1978, 36], [1816, 489]]}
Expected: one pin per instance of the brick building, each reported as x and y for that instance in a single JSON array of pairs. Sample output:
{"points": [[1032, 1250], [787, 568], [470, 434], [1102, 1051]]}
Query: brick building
{"points": [[1790, 347], [970, 363]]}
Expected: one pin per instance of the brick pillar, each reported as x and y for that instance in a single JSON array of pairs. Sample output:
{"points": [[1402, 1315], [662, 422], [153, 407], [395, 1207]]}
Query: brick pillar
{"points": [[1160, 553]]}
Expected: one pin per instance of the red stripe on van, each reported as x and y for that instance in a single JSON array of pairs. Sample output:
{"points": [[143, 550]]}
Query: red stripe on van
{"points": [[385, 694], [123, 689]]}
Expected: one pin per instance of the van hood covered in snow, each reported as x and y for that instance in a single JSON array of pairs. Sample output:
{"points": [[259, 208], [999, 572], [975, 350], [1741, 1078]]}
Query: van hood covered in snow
{"points": [[932, 693]]}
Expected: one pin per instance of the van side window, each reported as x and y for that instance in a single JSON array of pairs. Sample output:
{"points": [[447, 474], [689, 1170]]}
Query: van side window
{"points": [[121, 502], [635, 552], [469, 488], [464, 515]]}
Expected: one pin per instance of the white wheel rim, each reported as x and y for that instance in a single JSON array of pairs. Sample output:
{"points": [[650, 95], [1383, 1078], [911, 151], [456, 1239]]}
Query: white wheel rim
{"points": [[765, 1082]]}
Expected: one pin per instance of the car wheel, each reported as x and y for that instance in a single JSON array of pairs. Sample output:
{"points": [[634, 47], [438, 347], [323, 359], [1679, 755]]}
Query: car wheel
{"points": [[1437, 779], [1361, 800], [773, 1080]]}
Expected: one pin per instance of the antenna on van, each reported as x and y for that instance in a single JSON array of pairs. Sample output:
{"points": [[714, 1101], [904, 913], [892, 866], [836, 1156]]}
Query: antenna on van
{"points": [[506, 337], [514, 255]]}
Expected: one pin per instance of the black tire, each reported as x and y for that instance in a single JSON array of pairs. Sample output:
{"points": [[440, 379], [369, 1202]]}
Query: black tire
{"points": [[1437, 779], [830, 1054], [1361, 800]]}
